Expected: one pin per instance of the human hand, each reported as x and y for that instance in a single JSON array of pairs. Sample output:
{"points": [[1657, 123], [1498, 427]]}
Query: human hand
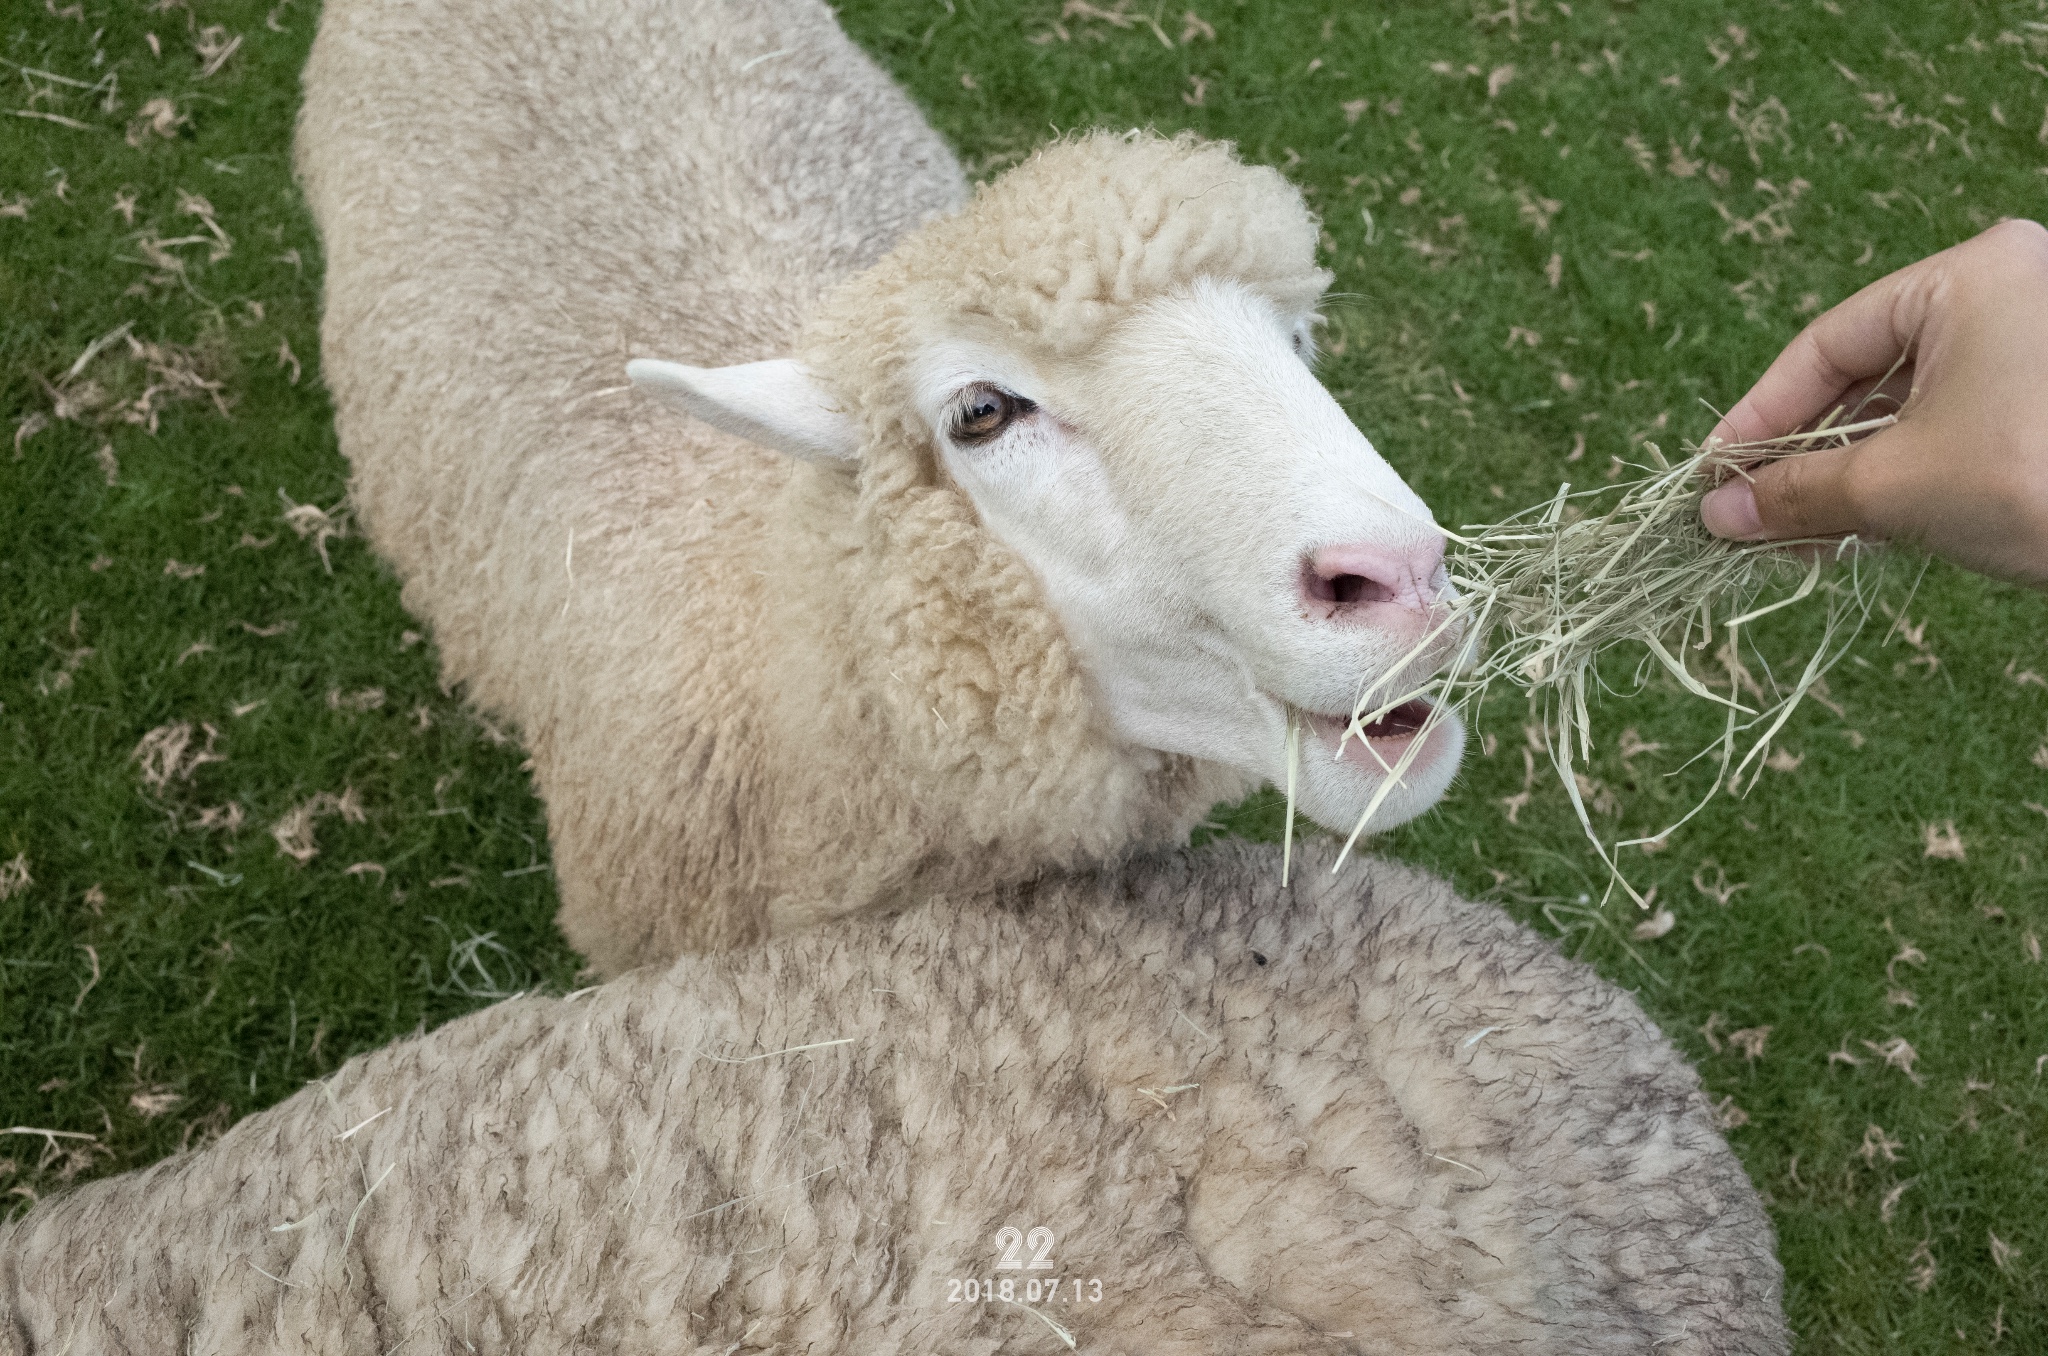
{"points": [[1964, 471]]}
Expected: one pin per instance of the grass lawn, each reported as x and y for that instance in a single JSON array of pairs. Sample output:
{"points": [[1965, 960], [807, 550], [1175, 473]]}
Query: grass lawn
{"points": [[1556, 231]]}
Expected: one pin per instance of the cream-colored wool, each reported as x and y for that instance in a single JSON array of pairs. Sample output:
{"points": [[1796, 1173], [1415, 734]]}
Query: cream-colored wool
{"points": [[1363, 1115], [757, 694]]}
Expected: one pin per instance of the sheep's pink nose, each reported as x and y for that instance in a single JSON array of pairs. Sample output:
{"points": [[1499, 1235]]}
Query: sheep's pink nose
{"points": [[1352, 576]]}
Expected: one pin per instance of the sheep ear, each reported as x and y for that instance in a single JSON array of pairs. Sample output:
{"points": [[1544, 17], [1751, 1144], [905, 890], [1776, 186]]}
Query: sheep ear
{"points": [[776, 404]]}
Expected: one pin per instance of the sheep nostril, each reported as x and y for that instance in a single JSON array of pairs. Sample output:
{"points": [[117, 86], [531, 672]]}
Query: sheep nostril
{"points": [[1344, 590], [1354, 588], [1351, 577]]}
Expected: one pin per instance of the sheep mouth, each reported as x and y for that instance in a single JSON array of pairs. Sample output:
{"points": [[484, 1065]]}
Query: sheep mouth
{"points": [[1384, 739], [1404, 720]]}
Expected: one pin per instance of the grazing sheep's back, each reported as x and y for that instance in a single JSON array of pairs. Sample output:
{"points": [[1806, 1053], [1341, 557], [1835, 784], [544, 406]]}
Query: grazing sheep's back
{"points": [[513, 201], [1357, 1115]]}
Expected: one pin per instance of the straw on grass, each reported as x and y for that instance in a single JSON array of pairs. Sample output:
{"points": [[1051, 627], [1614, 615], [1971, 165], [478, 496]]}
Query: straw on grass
{"points": [[1543, 596]]}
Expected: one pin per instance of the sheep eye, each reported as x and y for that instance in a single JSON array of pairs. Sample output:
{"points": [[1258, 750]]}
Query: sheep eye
{"points": [[987, 411]]}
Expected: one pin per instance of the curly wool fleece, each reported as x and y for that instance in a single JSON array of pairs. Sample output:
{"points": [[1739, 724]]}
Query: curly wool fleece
{"points": [[1055, 252], [756, 694], [1359, 1115]]}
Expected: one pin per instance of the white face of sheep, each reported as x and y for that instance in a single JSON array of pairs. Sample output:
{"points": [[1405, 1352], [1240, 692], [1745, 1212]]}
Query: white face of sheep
{"points": [[1224, 549]]}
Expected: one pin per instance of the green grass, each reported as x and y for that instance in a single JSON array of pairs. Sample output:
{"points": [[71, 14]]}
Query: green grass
{"points": [[228, 974]]}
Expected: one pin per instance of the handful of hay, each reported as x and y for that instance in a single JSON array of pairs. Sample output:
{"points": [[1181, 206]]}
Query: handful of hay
{"points": [[1544, 595]]}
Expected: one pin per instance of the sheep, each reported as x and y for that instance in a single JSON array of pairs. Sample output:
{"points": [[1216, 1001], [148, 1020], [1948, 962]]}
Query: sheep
{"points": [[1012, 531], [1357, 1114]]}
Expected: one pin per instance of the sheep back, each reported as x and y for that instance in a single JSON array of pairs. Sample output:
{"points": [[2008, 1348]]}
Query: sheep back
{"points": [[1359, 1114]]}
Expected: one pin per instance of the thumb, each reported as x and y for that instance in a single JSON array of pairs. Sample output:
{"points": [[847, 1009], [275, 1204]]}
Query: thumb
{"points": [[1823, 493]]}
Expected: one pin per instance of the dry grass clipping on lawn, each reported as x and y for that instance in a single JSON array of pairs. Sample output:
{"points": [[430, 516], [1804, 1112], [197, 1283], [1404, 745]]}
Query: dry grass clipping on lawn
{"points": [[120, 379], [1544, 595]]}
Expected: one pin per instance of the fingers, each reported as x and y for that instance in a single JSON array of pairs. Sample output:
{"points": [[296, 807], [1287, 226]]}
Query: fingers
{"points": [[1801, 383], [1804, 496], [1860, 339], [1731, 512], [1863, 489]]}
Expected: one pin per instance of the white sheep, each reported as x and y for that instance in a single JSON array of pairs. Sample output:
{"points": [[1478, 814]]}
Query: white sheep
{"points": [[1360, 1115], [1066, 535]]}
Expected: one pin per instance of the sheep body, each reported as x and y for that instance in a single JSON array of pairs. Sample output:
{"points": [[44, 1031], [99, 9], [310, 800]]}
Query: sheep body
{"points": [[778, 692], [1358, 1115]]}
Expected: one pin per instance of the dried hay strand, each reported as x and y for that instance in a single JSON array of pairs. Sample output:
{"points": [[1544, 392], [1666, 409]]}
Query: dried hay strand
{"points": [[14, 877], [294, 832], [322, 525], [120, 379], [166, 754], [1545, 595]]}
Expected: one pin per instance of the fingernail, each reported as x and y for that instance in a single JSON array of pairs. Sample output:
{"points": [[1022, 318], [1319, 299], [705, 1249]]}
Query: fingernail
{"points": [[1731, 512]]}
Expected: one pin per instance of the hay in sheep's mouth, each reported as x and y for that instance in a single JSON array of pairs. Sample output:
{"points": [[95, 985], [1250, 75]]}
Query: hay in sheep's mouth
{"points": [[1409, 718], [1546, 594], [1404, 720]]}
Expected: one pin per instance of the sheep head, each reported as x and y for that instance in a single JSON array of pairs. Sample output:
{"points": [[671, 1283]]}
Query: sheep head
{"points": [[1107, 356]]}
